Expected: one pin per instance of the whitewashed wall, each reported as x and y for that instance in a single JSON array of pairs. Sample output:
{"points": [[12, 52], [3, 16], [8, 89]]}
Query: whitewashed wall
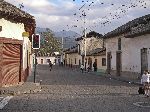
{"points": [[11, 30], [26, 47], [14, 31], [99, 61], [91, 43], [72, 57], [52, 59], [131, 52]]}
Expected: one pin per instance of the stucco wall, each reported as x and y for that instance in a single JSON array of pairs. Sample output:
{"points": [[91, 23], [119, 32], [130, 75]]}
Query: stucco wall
{"points": [[11, 30], [52, 59], [99, 61], [14, 31], [72, 57], [91, 43], [131, 52]]}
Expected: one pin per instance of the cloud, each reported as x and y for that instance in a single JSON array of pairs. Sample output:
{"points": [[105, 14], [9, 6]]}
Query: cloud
{"points": [[59, 14]]}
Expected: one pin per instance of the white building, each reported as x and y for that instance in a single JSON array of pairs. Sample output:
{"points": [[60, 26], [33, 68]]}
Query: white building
{"points": [[46, 58], [15, 33], [128, 48]]}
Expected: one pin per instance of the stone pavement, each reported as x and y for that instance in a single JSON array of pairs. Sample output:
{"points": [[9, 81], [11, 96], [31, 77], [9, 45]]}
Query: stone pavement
{"points": [[68, 90], [118, 78], [30, 87]]}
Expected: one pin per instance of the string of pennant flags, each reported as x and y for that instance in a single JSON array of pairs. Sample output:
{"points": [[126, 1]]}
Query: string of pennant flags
{"points": [[115, 11], [120, 10]]}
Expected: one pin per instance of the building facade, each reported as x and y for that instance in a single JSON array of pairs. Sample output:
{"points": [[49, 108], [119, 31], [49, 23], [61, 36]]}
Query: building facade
{"points": [[15, 44], [128, 48]]}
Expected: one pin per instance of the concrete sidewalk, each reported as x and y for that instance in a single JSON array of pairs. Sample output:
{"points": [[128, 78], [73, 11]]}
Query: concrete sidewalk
{"points": [[118, 78], [25, 88]]}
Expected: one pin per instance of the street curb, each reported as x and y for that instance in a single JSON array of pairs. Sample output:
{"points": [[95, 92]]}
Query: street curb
{"points": [[26, 88]]}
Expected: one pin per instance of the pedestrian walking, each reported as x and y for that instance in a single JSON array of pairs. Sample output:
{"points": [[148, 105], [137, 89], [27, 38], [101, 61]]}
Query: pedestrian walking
{"points": [[82, 67], [50, 65], [95, 66], [145, 80], [88, 68]]}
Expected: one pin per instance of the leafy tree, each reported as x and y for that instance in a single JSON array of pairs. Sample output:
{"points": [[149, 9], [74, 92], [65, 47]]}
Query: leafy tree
{"points": [[94, 34], [49, 43]]}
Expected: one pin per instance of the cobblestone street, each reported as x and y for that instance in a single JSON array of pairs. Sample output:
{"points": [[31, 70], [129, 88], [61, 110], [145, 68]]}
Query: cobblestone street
{"points": [[68, 90]]}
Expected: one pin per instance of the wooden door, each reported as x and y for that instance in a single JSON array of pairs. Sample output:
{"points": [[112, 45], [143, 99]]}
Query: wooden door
{"points": [[144, 60], [11, 69], [79, 62], [109, 62], [41, 61], [90, 62], [118, 63], [96, 61]]}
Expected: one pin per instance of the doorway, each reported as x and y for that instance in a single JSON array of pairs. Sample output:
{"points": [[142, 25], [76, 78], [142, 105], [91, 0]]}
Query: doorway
{"points": [[118, 63], [144, 60], [109, 62]]}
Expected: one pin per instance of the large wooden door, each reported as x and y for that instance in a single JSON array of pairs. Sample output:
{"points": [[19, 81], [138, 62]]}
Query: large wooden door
{"points": [[144, 60], [118, 63], [11, 69], [109, 62]]}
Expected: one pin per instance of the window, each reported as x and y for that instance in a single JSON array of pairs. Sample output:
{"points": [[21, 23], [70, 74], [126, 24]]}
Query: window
{"points": [[79, 49], [119, 43], [103, 61]]}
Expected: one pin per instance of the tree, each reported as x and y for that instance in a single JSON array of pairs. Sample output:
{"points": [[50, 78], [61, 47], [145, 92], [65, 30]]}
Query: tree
{"points": [[94, 34], [49, 43]]}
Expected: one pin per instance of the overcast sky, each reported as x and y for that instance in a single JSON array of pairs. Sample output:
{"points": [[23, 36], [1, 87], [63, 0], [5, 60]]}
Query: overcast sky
{"points": [[102, 16]]}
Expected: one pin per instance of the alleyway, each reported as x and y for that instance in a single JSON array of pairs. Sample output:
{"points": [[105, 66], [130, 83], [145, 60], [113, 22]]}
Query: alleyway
{"points": [[67, 90]]}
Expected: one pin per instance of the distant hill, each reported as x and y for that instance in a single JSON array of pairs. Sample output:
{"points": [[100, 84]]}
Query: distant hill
{"points": [[68, 36], [38, 30]]}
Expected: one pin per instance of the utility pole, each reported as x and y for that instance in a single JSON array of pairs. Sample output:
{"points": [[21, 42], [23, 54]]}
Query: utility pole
{"points": [[35, 65], [85, 41], [84, 35], [62, 46]]}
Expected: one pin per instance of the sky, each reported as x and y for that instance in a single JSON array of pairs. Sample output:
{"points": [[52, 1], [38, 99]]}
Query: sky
{"points": [[101, 16]]}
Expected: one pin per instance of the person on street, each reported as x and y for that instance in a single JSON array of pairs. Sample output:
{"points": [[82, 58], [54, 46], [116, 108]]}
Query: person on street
{"points": [[50, 65], [146, 82], [82, 68], [88, 68], [95, 66]]}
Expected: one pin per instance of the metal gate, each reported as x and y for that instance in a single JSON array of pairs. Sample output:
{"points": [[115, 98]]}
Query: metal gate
{"points": [[144, 60]]}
